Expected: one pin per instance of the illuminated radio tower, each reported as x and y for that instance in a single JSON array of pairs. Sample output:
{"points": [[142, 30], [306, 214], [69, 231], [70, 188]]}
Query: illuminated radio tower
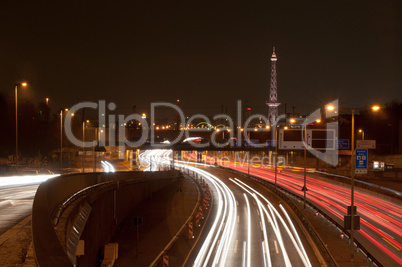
{"points": [[273, 93]]}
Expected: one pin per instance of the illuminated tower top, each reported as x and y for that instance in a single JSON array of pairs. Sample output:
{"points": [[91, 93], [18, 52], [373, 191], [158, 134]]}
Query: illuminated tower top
{"points": [[273, 92]]}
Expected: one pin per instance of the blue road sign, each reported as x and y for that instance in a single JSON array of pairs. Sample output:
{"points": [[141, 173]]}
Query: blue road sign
{"points": [[251, 142], [361, 160], [342, 143]]}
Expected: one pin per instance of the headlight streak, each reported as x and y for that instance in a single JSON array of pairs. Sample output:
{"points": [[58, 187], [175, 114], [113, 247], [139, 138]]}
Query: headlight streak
{"points": [[230, 222], [228, 231], [299, 247], [244, 253], [228, 234], [248, 232], [105, 166], [270, 218], [265, 242], [302, 256], [224, 224], [112, 169], [25, 179], [220, 236], [279, 235], [263, 252], [295, 233]]}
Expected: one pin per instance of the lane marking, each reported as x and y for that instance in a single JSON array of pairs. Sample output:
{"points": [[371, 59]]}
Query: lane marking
{"points": [[276, 246], [238, 218], [391, 244], [261, 226], [235, 249], [258, 212], [237, 202]]}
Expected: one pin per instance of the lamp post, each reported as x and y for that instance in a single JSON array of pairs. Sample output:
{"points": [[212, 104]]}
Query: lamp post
{"points": [[16, 120], [305, 163], [362, 133], [352, 172], [83, 143], [61, 136], [276, 154]]}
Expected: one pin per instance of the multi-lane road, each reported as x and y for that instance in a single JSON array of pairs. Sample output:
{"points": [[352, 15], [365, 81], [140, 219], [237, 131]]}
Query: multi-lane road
{"points": [[248, 225], [381, 218]]}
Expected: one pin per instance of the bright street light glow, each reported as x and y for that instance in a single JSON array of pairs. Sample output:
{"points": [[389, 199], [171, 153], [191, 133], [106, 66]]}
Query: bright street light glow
{"points": [[24, 84], [292, 120], [330, 107], [376, 108], [317, 120]]}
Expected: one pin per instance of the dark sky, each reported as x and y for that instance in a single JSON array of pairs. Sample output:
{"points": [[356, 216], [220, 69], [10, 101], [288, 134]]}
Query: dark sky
{"points": [[206, 53]]}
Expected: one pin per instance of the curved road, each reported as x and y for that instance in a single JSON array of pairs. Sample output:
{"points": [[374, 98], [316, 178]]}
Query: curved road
{"points": [[381, 219], [248, 225]]}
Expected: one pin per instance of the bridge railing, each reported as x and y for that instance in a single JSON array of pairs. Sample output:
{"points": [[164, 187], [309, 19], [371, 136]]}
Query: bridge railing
{"points": [[52, 198]]}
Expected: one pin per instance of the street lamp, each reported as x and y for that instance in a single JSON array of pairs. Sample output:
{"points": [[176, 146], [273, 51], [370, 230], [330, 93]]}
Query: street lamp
{"points": [[16, 120], [61, 135], [352, 171]]}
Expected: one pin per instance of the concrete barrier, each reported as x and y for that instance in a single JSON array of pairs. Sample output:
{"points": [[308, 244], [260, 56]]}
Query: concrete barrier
{"points": [[111, 197]]}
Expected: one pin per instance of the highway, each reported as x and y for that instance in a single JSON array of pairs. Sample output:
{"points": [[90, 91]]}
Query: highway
{"points": [[381, 218], [248, 225]]}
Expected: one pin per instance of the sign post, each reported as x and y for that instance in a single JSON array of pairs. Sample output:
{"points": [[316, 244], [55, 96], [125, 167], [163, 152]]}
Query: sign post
{"points": [[361, 161], [138, 222]]}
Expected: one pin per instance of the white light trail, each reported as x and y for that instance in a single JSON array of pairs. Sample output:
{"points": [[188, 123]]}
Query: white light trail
{"points": [[25, 179], [248, 232], [299, 247], [224, 225], [220, 236]]}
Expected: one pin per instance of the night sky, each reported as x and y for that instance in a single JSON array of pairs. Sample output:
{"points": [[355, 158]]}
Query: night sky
{"points": [[205, 53]]}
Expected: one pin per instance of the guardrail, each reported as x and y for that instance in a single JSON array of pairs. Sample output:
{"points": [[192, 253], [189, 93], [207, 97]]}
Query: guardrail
{"points": [[178, 234], [285, 195]]}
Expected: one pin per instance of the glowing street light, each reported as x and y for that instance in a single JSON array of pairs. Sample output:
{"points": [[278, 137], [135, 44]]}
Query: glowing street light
{"points": [[16, 120], [292, 120], [362, 133], [375, 108]]}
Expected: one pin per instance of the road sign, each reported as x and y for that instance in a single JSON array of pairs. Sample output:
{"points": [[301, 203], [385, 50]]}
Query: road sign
{"points": [[369, 144], [342, 143], [361, 161], [271, 143], [347, 222]]}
